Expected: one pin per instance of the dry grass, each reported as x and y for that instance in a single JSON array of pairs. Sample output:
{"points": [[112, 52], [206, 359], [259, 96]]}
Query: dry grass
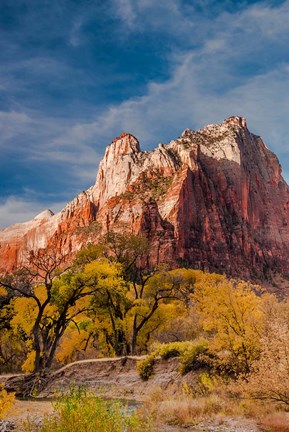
{"points": [[163, 408], [268, 415], [185, 410], [180, 409], [275, 422]]}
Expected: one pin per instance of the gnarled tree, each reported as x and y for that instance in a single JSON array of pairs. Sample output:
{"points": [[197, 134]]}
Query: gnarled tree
{"points": [[52, 296]]}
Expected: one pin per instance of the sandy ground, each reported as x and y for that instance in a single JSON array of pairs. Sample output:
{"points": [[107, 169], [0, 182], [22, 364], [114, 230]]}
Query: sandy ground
{"points": [[29, 409], [36, 409], [24, 409], [217, 424]]}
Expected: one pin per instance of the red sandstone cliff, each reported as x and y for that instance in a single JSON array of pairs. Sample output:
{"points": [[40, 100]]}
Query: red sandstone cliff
{"points": [[214, 199]]}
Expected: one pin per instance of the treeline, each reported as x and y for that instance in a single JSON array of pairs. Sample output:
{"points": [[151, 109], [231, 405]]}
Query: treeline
{"points": [[103, 304], [106, 304]]}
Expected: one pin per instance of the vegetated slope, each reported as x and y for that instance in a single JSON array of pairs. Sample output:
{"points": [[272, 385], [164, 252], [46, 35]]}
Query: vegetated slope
{"points": [[110, 377], [212, 199]]}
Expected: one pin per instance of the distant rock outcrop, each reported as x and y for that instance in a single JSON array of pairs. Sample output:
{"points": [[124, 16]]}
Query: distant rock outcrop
{"points": [[212, 199]]}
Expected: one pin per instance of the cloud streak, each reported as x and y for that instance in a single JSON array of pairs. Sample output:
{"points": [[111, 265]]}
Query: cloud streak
{"points": [[87, 82], [206, 84], [14, 210]]}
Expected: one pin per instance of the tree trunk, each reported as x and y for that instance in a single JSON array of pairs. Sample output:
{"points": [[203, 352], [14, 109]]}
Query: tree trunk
{"points": [[121, 347], [134, 336]]}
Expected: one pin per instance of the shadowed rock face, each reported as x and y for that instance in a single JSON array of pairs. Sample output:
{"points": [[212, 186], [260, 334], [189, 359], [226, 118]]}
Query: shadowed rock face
{"points": [[212, 199]]}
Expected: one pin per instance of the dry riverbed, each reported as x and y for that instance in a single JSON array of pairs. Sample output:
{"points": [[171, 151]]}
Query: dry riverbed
{"points": [[118, 378], [24, 410], [37, 409]]}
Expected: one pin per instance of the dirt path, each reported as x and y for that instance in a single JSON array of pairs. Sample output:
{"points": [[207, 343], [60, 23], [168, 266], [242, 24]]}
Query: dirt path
{"points": [[96, 360]]}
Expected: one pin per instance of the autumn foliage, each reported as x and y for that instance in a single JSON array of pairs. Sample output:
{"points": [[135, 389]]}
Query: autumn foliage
{"points": [[6, 401], [107, 304]]}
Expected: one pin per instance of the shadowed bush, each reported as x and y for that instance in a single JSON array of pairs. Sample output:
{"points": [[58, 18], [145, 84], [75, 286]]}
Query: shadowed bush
{"points": [[191, 354], [146, 367]]}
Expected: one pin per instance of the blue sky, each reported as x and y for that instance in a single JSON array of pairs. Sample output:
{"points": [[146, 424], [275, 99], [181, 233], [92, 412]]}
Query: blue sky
{"points": [[74, 74]]}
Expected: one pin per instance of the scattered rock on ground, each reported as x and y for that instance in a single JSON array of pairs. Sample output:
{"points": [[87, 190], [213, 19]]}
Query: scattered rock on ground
{"points": [[7, 426]]}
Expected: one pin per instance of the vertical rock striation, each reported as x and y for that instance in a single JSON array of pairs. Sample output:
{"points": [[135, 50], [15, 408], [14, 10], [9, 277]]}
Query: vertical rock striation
{"points": [[212, 199]]}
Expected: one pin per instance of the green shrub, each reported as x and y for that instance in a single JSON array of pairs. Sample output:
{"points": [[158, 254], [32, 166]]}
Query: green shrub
{"points": [[172, 349], [194, 357], [81, 411], [146, 367]]}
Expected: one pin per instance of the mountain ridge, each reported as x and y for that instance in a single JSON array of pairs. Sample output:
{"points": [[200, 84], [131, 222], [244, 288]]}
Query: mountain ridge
{"points": [[212, 199]]}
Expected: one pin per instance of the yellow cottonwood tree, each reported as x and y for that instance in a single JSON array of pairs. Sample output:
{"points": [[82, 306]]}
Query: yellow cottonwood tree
{"points": [[269, 377], [233, 314], [47, 303]]}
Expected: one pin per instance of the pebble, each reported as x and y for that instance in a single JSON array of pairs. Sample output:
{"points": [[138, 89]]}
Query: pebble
{"points": [[7, 426]]}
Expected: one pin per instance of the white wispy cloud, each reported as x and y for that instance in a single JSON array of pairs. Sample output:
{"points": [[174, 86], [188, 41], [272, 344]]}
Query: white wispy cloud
{"points": [[74, 38], [125, 9], [214, 81], [232, 64], [161, 17], [50, 140], [206, 84], [15, 210], [12, 123]]}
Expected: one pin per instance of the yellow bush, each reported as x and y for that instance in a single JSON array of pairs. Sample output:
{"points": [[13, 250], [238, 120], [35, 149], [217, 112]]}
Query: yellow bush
{"points": [[6, 401], [82, 411], [172, 349], [146, 367]]}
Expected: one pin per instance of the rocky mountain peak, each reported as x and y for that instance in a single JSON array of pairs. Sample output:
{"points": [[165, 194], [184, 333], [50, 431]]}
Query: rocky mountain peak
{"points": [[236, 121], [118, 168], [46, 214], [124, 144], [213, 199]]}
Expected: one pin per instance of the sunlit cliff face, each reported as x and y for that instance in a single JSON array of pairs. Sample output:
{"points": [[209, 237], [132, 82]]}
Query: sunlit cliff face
{"points": [[212, 199]]}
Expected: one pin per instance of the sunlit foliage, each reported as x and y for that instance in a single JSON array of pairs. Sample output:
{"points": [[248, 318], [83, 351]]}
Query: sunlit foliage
{"points": [[6, 401]]}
